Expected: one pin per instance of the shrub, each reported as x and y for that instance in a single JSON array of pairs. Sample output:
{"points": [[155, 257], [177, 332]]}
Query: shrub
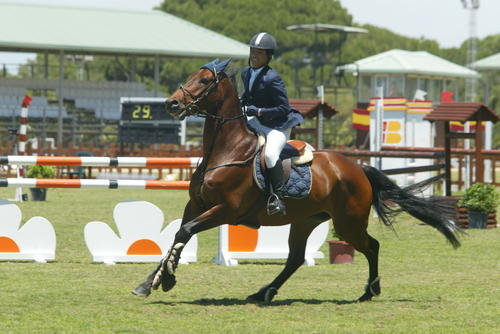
{"points": [[41, 172], [480, 197]]}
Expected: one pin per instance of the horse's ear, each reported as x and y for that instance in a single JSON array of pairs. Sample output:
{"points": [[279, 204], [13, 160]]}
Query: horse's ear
{"points": [[221, 66], [213, 64], [217, 66]]}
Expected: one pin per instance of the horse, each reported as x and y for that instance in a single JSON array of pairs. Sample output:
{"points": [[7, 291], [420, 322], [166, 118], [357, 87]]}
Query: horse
{"points": [[223, 191]]}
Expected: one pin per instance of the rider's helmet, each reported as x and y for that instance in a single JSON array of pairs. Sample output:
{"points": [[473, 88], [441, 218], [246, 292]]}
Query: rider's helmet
{"points": [[263, 40]]}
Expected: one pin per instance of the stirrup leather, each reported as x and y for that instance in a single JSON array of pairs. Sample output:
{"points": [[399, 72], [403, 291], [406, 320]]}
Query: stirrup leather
{"points": [[275, 205]]}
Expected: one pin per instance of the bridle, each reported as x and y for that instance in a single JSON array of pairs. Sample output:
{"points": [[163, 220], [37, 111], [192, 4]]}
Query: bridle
{"points": [[193, 109]]}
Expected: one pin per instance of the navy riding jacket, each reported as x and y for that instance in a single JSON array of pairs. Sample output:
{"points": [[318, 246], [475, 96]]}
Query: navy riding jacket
{"points": [[269, 94]]}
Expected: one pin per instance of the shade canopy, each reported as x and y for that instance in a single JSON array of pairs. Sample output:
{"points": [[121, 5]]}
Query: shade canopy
{"points": [[309, 107], [462, 112], [491, 63], [82, 30], [321, 27], [408, 62]]}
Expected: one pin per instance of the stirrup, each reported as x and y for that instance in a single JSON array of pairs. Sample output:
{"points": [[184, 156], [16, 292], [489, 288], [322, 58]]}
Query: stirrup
{"points": [[275, 206]]}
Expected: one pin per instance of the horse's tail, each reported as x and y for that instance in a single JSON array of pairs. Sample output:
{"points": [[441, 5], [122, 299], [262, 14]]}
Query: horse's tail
{"points": [[436, 212]]}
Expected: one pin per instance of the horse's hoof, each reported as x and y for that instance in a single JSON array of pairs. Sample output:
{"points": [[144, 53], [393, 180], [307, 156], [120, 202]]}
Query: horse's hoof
{"points": [[264, 295], [372, 289], [167, 282], [365, 297], [141, 291]]}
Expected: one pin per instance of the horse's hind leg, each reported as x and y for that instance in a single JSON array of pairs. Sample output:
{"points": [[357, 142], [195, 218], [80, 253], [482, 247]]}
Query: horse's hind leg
{"points": [[369, 246], [297, 241], [373, 286]]}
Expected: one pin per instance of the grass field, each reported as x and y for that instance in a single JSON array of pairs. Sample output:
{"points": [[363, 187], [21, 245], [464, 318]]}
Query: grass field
{"points": [[427, 287]]}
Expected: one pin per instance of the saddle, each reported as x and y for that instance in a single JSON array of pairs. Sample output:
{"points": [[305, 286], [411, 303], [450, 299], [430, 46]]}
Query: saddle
{"points": [[299, 152], [296, 158]]}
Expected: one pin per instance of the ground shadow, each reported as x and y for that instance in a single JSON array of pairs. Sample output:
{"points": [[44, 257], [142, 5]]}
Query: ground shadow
{"points": [[235, 301], [281, 302]]}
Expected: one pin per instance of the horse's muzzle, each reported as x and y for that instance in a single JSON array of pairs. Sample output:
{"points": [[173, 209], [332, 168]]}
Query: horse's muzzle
{"points": [[172, 106]]}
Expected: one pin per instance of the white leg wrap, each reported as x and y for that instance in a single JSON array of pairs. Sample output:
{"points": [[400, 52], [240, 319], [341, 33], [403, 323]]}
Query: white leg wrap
{"points": [[168, 263], [369, 285], [157, 279]]}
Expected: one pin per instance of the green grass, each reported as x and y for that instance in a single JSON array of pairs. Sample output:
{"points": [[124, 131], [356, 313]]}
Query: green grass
{"points": [[427, 287]]}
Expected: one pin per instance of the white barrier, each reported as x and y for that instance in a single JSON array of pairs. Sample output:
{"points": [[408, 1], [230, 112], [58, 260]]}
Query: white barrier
{"points": [[35, 240], [140, 237], [268, 242]]}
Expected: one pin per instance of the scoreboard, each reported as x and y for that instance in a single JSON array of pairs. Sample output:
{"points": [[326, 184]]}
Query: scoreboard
{"points": [[145, 120]]}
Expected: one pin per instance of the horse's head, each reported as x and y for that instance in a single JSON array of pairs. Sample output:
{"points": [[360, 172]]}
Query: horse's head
{"points": [[199, 93]]}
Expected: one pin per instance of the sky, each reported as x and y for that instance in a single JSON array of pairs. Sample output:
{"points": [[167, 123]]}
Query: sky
{"points": [[445, 21]]}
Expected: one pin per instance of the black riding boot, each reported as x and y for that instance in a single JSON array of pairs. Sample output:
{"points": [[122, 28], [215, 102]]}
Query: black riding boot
{"points": [[275, 203]]}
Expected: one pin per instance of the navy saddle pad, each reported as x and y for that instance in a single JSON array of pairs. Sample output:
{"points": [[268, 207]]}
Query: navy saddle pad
{"points": [[298, 184]]}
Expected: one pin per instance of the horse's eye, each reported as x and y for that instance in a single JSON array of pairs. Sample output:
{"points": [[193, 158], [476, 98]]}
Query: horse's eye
{"points": [[204, 81]]}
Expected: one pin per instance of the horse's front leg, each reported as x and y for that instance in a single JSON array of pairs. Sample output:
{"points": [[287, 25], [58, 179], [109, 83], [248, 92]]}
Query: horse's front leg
{"points": [[164, 273]]}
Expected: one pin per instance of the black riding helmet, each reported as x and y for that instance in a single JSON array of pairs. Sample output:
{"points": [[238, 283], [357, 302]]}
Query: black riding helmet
{"points": [[263, 40]]}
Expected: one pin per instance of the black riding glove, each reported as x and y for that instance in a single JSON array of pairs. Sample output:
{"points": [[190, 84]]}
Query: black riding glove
{"points": [[252, 111]]}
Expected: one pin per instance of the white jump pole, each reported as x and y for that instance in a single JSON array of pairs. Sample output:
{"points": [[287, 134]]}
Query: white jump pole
{"points": [[21, 139]]}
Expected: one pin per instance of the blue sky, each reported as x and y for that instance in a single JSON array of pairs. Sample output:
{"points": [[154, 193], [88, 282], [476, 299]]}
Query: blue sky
{"points": [[443, 20]]}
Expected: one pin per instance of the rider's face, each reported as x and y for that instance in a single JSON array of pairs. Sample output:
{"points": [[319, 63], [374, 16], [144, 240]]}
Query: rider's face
{"points": [[258, 57]]}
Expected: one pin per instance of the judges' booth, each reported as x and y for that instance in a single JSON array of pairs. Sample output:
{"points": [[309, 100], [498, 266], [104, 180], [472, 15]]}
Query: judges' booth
{"points": [[412, 85], [314, 112]]}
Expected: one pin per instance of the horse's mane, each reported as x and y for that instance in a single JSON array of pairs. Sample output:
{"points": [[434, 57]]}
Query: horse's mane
{"points": [[232, 74]]}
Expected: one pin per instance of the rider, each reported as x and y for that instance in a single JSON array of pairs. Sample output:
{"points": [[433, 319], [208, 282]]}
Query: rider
{"points": [[265, 101]]}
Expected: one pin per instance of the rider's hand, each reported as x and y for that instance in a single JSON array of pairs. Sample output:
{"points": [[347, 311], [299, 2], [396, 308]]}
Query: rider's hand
{"points": [[252, 111]]}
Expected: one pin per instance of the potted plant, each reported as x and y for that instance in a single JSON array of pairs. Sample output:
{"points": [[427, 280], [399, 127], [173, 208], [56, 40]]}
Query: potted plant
{"points": [[479, 199], [40, 172], [341, 252]]}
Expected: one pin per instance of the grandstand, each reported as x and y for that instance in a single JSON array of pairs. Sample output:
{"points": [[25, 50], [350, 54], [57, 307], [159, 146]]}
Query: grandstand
{"points": [[67, 109], [89, 106]]}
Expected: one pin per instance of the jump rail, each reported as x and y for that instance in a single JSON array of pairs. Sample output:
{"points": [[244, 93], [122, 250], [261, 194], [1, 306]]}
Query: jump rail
{"points": [[99, 161], [91, 183]]}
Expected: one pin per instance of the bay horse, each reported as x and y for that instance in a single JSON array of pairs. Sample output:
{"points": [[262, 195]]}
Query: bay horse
{"points": [[223, 191]]}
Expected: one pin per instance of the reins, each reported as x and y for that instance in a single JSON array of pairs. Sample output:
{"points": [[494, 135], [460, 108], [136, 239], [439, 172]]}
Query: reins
{"points": [[192, 108]]}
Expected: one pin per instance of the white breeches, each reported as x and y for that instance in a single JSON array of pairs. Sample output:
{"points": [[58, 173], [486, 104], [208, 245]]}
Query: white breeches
{"points": [[275, 140]]}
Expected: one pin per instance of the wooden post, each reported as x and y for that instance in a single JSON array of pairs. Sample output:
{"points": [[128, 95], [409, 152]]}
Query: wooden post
{"points": [[447, 158], [460, 174], [477, 154], [320, 128]]}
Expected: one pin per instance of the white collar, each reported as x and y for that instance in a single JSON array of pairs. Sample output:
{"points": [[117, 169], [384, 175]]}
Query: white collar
{"points": [[256, 70]]}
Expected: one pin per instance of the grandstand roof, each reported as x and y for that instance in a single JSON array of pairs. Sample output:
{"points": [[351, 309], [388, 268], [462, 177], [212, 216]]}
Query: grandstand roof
{"points": [[408, 62], [82, 30]]}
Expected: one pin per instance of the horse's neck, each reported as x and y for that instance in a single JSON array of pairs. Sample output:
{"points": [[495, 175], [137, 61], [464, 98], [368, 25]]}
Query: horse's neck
{"points": [[231, 141]]}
